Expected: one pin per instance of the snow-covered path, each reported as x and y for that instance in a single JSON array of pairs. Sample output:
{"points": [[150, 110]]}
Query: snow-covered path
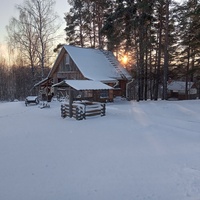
{"points": [[138, 151]]}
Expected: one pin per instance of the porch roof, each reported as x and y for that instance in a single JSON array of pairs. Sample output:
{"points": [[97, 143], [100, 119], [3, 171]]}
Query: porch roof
{"points": [[83, 85]]}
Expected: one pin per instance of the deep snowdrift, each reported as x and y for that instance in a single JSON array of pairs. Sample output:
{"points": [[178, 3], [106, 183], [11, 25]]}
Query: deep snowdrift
{"points": [[138, 151]]}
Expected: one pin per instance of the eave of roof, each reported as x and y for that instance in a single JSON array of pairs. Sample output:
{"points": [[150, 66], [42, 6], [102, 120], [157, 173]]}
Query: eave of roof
{"points": [[62, 51], [41, 82]]}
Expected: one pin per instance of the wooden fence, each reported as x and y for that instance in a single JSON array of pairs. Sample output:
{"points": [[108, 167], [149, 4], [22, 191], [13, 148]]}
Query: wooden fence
{"points": [[81, 110]]}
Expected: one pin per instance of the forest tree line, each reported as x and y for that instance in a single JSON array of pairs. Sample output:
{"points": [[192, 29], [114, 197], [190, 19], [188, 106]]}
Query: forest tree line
{"points": [[161, 39]]}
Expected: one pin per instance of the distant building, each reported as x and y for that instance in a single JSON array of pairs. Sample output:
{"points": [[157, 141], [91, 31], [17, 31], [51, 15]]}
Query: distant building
{"points": [[177, 90]]}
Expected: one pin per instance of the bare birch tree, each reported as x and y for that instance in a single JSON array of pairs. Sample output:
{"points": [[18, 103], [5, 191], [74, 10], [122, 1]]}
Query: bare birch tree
{"points": [[34, 32]]}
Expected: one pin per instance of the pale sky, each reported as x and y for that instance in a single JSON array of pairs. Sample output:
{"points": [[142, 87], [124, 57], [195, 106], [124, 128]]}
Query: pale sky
{"points": [[8, 10]]}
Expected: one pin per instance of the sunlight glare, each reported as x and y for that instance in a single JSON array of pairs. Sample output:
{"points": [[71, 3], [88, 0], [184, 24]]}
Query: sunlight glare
{"points": [[125, 59]]}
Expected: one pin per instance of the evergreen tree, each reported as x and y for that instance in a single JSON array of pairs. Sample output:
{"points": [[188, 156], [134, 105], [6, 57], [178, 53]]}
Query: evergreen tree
{"points": [[161, 36], [189, 45], [84, 22]]}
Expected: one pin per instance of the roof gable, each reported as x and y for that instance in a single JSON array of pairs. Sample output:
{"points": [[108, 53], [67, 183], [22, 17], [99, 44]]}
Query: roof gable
{"points": [[97, 64]]}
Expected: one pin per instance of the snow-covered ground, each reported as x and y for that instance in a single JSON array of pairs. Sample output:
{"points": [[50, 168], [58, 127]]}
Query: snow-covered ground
{"points": [[138, 151]]}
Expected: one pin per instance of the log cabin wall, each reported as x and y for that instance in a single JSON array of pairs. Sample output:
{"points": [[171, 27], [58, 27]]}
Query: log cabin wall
{"points": [[67, 69], [120, 90]]}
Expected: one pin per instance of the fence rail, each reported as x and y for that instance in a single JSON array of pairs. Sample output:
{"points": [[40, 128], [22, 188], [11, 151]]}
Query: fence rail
{"points": [[81, 110]]}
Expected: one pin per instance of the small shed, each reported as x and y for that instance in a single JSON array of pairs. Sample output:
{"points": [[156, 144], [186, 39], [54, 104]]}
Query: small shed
{"points": [[85, 89], [177, 90], [78, 90]]}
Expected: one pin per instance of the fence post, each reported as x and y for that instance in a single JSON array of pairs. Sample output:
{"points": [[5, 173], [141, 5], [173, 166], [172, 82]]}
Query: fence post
{"points": [[63, 111], [103, 109], [70, 102]]}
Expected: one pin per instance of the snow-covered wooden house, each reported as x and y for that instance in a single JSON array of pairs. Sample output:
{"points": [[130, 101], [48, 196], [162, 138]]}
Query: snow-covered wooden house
{"points": [[97, 75], [177, 90]]}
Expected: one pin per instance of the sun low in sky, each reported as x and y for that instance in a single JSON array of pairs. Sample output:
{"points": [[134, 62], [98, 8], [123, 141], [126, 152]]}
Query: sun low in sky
{"points": [[125, 59]]}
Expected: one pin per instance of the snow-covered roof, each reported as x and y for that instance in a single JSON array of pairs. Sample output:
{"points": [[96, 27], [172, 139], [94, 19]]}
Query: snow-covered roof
{"points": [[31, 98], [41, 82], [83, 85], [179, 85], [96, 64]]}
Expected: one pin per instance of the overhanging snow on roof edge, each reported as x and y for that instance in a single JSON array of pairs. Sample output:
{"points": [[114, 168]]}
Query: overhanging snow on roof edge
{"points": [[42, 81], [83, 85]]}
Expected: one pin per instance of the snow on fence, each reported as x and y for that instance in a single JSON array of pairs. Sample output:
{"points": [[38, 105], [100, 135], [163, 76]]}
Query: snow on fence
{"points": [[81, 110]]}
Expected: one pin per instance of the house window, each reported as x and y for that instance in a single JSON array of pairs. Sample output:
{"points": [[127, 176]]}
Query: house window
{"points": [[65, 65], [68, 67], [68, 63], [104, 94], [67, 59]]}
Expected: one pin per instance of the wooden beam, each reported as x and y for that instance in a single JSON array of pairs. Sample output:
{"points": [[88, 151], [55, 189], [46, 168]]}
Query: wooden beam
{"points": [[71, 97]]}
